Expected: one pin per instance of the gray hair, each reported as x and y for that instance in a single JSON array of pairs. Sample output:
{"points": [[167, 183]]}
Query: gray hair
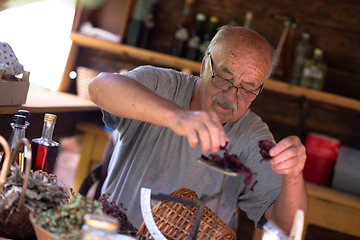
{"points": [[226, 30]]}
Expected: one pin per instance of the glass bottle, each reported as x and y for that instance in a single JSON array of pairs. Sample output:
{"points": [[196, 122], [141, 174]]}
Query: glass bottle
{"points": [[314, 71], [207, 37], [303, 51], [195, 38], [18, 132], [182, 32], [136, 23], [44, 149], [99, 227], [248, 18], [148, 23]]}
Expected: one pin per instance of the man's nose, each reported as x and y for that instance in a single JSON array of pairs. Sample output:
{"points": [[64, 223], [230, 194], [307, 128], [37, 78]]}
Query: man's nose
{"points": [[231, 95]]}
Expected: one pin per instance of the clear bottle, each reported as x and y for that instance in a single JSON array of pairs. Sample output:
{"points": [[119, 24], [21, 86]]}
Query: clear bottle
{"points": [[18, 132], [207, 37], [182, 32], [314, 72], [195, 38], [99, 227], [303, 51], [44, 149]]}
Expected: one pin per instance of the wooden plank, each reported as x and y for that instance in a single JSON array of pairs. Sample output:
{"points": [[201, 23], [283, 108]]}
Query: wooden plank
{"points": [[333, 215], [49, 101], [150, 57], [297, 91], [334, 196]]}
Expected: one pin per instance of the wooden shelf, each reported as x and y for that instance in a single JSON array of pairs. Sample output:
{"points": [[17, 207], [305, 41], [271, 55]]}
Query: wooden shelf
{"points": [[319, 96], [150, 57], [50, 101], [161, 59]]}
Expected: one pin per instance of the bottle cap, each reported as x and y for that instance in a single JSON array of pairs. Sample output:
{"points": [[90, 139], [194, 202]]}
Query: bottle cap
{"points": [[305, 35], [20, 119], [200, 17], [25, 113], [214, 19], [101, 221], [51, 118], [318, 52]]}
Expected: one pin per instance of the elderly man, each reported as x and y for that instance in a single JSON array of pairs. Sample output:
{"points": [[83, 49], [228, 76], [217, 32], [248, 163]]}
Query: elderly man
{"points": [[167, 119]]}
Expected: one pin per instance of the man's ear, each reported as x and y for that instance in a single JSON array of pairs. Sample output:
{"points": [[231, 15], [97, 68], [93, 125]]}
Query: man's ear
{"points": [[202, 68]]}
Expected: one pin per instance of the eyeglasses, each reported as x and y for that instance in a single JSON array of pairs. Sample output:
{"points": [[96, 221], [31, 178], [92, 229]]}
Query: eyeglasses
{"points": [[226, 85]]}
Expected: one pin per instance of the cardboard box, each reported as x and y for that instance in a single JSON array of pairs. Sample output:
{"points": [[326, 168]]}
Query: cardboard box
{"points": [[346, 173], [14, 93]]}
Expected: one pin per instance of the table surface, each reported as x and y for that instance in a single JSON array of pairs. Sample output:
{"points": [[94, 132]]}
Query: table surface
{"points": [[51, 101]]}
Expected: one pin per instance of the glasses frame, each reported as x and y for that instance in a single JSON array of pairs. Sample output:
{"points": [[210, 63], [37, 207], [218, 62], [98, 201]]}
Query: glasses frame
{"points": [[232, 85]]}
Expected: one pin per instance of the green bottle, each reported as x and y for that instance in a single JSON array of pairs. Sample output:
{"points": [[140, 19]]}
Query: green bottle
{"points": [[314, 71], [195, 38], [136, 24], [303, 51], [207, 37]]}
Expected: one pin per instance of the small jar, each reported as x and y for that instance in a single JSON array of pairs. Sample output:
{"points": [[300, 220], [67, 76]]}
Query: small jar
{"points": [[99, 227]]}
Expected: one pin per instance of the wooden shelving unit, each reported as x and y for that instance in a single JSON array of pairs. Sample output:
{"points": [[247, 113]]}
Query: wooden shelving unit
{"points": [[161, 59]]}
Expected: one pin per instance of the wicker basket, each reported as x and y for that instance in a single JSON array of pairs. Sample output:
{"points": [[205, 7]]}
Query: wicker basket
{"points": [[175, 220], [84, 76], [16, 224]]}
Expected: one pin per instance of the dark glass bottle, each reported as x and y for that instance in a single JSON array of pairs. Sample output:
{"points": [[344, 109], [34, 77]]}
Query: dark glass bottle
{"points": [[207, 37], [182, 32], [44, 149], [303, 51], [195, 38], [136, 24], [314, 72], [148, 23]]}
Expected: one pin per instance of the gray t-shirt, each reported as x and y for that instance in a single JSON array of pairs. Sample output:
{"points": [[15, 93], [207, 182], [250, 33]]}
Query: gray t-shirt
{"points": [[150, 156]]}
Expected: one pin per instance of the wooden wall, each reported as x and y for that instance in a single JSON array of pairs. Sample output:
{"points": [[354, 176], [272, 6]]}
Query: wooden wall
{"points": [[334, 26]]}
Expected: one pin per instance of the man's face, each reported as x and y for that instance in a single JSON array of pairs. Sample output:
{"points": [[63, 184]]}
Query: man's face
{"points": [[242, 67]]}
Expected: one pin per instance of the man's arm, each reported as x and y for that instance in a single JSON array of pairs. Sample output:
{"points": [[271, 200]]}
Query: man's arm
{"points": [[127, 98], [288, 159]]}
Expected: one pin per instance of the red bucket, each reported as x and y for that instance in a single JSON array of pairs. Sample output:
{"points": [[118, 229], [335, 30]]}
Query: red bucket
{"points": [[321, 154]]}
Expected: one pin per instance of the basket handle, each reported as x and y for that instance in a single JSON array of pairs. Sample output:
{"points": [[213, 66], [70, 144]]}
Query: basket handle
{"points": [[6, 162], [26, 143]]}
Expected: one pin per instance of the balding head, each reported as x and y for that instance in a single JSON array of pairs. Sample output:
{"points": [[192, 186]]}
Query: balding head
{"points": [[239, 37]]}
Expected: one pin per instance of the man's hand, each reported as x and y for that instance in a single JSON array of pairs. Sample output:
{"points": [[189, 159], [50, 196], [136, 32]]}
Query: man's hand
{"points": [[203, 126], [288, 157]]}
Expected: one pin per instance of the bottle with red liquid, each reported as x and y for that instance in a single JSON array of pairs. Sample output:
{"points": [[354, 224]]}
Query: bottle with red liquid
{"points": [[44, 149]]}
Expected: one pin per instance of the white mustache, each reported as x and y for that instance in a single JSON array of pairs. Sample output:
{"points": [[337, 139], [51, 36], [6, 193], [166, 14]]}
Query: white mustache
{"points": [[224, 103]]}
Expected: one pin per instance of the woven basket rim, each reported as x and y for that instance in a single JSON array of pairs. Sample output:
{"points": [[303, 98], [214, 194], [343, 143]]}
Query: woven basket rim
{"points": [[175, 220]]}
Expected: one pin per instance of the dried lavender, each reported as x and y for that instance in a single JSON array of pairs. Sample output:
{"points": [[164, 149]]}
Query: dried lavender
{"points": [[67, 219], [118, 211], [231, 162], [265, 146]]}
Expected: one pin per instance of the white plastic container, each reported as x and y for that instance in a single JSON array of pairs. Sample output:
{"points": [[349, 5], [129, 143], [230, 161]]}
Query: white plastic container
{"points": [[346, 172]]}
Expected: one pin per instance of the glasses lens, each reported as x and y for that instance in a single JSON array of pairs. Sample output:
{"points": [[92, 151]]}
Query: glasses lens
{"points": [[221, 83], [246, 95]]}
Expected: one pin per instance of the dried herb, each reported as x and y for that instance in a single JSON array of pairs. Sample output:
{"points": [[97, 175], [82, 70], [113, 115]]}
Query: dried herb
{"points": [[118, 211], [42, 191], [230, 162], [67, 219], [265, 146]]}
